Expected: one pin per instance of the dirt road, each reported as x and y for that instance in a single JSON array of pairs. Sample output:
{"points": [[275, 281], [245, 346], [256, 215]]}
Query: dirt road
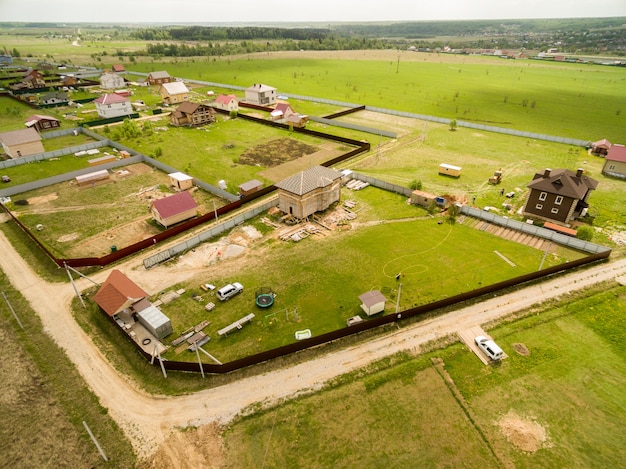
{"points": [[149, 419]]}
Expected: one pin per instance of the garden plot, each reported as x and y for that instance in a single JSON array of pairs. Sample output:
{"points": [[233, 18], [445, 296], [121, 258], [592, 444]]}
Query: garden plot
{"points": [[90, 221]]}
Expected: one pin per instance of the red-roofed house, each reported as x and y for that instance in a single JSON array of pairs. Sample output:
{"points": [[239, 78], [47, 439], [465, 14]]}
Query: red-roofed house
{"points": [[113, 105], [282, 111], [118, 293], [615, 164], [227, 102], [174, 209], [42, 123], [118, 68]]}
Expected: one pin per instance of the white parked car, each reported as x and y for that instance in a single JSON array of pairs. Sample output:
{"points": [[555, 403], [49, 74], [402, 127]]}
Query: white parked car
{"points": [[228, 291], [488, 346]]}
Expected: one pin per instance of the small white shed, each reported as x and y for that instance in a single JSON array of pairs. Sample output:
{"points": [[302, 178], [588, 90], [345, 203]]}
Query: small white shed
{"points": [[180, 181], [372, 302]]}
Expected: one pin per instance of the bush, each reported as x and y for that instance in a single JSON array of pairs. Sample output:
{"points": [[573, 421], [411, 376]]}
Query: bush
{"points": [[585, 233]]}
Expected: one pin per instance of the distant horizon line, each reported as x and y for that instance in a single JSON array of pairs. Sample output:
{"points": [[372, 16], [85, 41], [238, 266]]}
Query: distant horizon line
{"points": [[302, 22]]}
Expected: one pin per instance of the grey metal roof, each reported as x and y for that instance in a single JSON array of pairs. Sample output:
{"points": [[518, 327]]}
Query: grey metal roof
{"points": [[309, 180], [17, 137]]}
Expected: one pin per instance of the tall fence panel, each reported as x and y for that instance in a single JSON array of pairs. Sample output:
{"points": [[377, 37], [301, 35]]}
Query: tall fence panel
{"points": [[207, 234], [533, 230], [360, 128], [383, 184]]}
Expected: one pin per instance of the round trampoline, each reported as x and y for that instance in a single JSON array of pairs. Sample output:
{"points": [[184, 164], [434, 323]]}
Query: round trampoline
{"points": [[264, 298]]}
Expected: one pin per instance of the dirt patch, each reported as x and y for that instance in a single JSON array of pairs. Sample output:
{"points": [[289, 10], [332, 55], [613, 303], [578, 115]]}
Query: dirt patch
{"points": [[521, 349], [523, 433], [191, 448], [42, 199], [68, 237], [276, 152]]}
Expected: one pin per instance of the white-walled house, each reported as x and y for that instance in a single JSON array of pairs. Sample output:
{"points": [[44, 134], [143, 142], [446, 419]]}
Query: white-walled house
{"points": [[113, 105]]}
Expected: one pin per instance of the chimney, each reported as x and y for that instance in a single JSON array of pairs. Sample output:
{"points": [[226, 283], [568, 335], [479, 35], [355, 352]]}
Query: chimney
{"points": [[579, 172], [546, 173]]}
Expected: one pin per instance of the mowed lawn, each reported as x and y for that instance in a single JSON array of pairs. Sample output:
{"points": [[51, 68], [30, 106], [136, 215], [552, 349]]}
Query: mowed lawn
{"points": [[321, 277], [400, 412]]}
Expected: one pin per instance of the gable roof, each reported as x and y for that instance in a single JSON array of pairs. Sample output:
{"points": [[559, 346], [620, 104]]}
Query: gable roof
{"points": [[187, 108], [617, 152], [32, 120], [174, 204], [604, 143], [118, 68], [225, 98], [309, 180], [111, 98], [17, 137], [563, 182], [117, 293], [175, 87], [371, 298], [159, 74], [283, 107]]}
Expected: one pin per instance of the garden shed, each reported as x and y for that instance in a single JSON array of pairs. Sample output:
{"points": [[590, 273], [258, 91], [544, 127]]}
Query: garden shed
{"points": [[180, 181], [173, 209], [153, 319], [449, 170], [423, 199], [372, 302], [250, 187], [309, 191]]}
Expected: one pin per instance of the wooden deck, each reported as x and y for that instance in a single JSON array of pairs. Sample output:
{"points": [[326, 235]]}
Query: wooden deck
{"points": [[467, 336]]}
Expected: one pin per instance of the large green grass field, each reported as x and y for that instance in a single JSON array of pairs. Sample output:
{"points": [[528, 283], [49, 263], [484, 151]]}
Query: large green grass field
{"points": [[405, 408], [560, 405]]}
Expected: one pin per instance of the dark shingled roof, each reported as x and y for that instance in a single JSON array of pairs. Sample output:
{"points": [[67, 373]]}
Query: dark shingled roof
{"points": [[563, 182], [309, 180]]}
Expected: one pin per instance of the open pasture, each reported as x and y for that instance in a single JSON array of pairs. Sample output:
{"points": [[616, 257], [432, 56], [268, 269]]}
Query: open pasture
{"points": [[543, 97], [557, 403]]}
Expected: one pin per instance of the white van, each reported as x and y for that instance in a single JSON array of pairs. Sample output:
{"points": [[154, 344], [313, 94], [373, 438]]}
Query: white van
{"points": [[228, 291], [488, 346]]}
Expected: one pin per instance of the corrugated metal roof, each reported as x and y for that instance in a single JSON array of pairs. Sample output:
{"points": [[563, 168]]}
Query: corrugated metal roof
{"points": [[154, 317], [175, 87], [617, 153], [309, 180], [159, 74], [17, 137], [117, 293], [174, 204], [110, 98]]}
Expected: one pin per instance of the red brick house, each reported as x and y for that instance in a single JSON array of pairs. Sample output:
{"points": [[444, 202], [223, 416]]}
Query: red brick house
{"points": [[158, 78], [559, 195]]}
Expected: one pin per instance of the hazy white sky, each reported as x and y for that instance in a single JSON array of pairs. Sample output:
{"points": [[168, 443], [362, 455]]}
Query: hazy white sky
{"points": [[212, 11]]}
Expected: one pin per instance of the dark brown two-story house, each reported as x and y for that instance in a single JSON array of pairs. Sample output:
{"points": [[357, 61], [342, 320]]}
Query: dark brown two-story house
{"points": [[559, 195]]}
